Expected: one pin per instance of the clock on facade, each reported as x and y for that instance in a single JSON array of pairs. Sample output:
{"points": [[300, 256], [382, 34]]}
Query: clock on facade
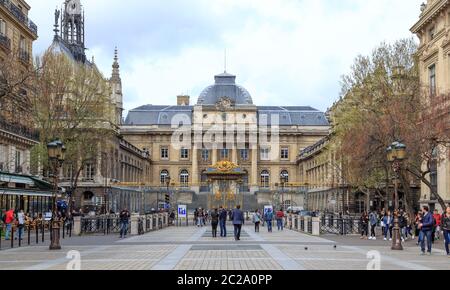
{"points": [[73, 7]]}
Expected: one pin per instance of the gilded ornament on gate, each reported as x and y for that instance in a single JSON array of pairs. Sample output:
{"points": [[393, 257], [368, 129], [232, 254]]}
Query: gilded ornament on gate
{"points": [[225, 166], [218, 195], [231, 196]]}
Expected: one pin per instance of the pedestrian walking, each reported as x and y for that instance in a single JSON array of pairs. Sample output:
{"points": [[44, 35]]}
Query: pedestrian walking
{"points": [[280, 219], [437, 226], [446, 228], [223, 222], [426, 230], [417, 222], [364, 226], [214, 222], [373, 220], [8, 220], [20, 222], [124, 218], [268, 217], [388, 221], [257, 220], [238, 221], [402, 224]]}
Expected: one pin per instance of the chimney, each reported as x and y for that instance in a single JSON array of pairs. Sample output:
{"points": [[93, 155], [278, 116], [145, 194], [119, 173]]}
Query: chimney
{"points": [[183, 100]]}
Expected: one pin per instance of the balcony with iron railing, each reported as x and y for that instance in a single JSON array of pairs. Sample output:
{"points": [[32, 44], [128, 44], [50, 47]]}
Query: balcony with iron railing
{"points": [[5, 42], [19, 130], [20, 16]]}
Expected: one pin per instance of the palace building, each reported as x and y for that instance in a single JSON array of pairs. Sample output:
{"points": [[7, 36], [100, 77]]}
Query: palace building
{"points": [[232, 151], [433, 31]]}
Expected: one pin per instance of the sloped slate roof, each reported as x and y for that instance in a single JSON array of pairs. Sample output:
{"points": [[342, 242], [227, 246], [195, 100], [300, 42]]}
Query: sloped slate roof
{"points": [[149, 115]]}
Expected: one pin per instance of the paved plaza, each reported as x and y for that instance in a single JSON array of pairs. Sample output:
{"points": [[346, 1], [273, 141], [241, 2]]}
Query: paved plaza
{"points": [[191, 248]]}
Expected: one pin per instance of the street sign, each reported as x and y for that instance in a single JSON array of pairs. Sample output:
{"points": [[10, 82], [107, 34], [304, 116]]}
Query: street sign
{"points": [[182, 211], [48, 216]]}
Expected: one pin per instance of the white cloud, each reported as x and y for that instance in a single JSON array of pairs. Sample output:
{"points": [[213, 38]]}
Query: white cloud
{"points": [[285, 52]]}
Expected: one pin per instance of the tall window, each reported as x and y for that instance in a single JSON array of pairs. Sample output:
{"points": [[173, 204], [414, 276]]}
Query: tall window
{"points": [[164, 177], [164, 153], [184, 178], [18, 163], [432, 75], [205, 155], [434, 174], [224, 154], [244, 154], [89, 171], [2, 27], [184, 154], [284, 153], [265, 179], [284, 176], [265, 153]]}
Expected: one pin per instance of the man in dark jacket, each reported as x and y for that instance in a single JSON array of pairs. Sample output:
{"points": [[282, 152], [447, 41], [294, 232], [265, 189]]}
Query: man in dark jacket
{"points": [[223, 222], [426, 229], [238, 221], [124, 220]]}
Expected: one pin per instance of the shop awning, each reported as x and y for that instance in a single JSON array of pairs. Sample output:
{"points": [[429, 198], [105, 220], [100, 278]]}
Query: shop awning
{"points": [[10, 178], [7, 191]]}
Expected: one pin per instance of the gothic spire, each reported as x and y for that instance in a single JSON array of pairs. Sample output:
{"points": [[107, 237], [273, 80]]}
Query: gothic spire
{"points": [[116, 66]]}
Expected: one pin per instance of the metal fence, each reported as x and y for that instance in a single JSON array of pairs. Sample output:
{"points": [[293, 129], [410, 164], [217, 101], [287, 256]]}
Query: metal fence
{"points": [[340, 225], [35, 233], [102, 225]]}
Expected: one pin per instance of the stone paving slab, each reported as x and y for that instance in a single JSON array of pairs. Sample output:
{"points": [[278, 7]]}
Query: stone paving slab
{"points": [[193, 249]]}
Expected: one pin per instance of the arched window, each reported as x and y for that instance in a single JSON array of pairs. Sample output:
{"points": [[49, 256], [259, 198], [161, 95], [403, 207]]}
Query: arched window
{"points": [[184, 178], [164, 177], [284, 176], [265, 179]]}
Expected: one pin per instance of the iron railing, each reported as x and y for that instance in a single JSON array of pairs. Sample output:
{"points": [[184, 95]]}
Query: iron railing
{"points": [[340, 225], [102, 225], [19, 130], [5, 42]]}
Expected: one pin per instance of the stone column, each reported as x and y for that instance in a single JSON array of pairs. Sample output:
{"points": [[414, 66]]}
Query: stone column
{"points": [[195, 175], [299, 228], [315, 226], [234, 156], [214, 156], [77, 226], [134, 225], [254, 172]]}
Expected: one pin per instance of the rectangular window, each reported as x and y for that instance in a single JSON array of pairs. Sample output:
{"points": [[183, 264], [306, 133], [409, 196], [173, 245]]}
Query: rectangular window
{"points": [[432, 76], [205, 155], [165, 153], [184, 153], [2, 27], [285, 153], [244, 154], [265, 153], [224, 154], [18, 163], [89, 171]]}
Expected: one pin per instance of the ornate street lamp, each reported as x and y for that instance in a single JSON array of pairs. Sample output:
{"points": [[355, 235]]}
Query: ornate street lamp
{"points": [[396, 153], [56, 154], [283, 180], [168, 179]]}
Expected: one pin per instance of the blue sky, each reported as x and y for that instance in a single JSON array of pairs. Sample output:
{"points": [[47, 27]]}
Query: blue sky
{"points": [[285, 52]]}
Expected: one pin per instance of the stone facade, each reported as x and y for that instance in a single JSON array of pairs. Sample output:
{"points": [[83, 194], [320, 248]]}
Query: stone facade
{"points": [[433, 31], [226, 105], [17, 34]]}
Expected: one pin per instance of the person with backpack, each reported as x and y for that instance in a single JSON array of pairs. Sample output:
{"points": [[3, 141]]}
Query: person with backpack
{"points": [[257, 220], [214, 222], [268, 217], [446, 228]]}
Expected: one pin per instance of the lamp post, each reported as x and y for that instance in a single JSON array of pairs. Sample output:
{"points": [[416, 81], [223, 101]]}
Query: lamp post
{"points": [[283, 180], [56, 154], [168, 179], [396, 153]]}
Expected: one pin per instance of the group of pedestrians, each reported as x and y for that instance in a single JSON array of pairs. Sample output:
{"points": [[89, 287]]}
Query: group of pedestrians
{"points": [[427, 226]]}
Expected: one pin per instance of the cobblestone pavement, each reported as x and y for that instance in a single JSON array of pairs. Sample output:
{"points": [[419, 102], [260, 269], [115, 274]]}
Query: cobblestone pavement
{"points": [[191, 248]]}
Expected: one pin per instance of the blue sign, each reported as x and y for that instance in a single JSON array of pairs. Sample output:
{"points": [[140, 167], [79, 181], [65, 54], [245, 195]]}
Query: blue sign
{"points": [[182, 211]]}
